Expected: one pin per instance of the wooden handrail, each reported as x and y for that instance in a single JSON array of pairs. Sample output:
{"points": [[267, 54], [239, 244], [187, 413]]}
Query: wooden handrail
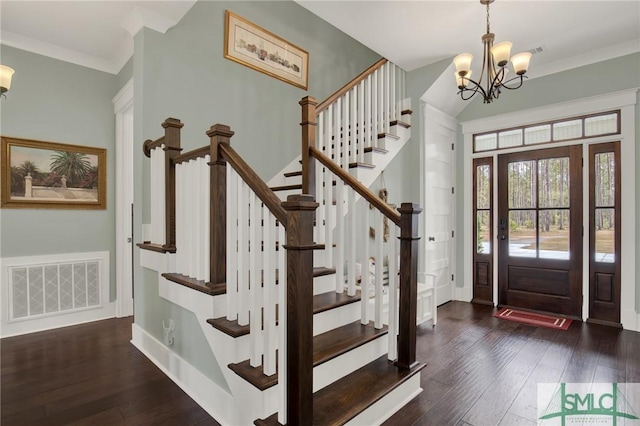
{"points": [[364, 74], [356, 185], [191, 155], [266, 195], [149, 145]]}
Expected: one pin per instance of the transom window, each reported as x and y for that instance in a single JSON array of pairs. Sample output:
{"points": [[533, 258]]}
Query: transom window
{"points": [[589, 126]]}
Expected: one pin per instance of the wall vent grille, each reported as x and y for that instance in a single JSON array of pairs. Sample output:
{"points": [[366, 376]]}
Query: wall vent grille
{"points": [[43, 289]]}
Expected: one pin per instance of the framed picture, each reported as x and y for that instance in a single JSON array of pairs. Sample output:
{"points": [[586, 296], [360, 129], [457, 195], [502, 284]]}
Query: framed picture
{"points": [[37, 174], [257, 48]]}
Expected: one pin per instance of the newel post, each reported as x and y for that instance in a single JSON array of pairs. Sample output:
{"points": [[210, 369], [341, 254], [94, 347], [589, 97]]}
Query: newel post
{"points": [[308, 125], [408, 284], [218, 134], [300, 212], [172, 149]]}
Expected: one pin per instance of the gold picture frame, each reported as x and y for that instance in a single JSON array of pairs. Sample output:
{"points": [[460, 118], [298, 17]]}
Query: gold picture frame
{"points": [[50, 175], [253, 46]]}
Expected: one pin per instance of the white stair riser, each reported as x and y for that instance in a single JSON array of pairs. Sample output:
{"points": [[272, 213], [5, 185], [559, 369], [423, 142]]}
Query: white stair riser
{"points": [[330, 371], [334, 318]]}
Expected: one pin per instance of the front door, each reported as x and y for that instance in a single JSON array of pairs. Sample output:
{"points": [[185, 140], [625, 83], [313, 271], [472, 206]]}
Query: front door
{"points": [[539, 230]]}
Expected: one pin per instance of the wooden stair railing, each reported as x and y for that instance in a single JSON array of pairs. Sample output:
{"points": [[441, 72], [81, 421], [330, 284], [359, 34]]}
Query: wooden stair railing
{"points": [[162, 151]]}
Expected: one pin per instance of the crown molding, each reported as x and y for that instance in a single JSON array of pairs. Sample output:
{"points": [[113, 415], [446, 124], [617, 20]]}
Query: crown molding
{"points": [[57, 52], [592, 57], [140, 18]]}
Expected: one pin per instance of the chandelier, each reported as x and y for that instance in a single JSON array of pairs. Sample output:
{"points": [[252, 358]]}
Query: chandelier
{"points": [[494, 68]]}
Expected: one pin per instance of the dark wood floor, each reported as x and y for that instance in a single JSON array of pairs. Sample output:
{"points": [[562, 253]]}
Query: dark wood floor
{"points": [[88, 374], [480, 371]]}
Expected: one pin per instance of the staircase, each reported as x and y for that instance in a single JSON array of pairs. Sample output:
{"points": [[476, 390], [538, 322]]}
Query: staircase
{"points": [[250, 252]]}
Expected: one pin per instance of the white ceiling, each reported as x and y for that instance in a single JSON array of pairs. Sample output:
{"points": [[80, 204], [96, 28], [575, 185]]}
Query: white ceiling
{"points": [[98, 34]]}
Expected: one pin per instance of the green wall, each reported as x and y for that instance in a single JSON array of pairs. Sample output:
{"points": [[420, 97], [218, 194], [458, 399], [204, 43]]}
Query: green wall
{"points": [[56, 101], [184, 74]]}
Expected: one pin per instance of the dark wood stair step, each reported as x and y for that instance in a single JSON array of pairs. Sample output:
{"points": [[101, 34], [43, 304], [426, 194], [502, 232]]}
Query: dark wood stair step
{"points": [[388, 135], [199, 285], [406, 112], [292, 174], [326, 301], [287, 187], [375, 149], [326, 346], [349, 396], [361, 165], [400, 123], [233, 329]]}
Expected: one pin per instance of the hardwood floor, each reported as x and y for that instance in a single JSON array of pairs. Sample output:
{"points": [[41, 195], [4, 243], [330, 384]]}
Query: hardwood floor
{"points": [[88, 374], [480, 371]]}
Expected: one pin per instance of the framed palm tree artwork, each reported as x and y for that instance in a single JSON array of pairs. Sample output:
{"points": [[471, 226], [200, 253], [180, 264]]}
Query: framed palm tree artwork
{"points": [[38, 174]]}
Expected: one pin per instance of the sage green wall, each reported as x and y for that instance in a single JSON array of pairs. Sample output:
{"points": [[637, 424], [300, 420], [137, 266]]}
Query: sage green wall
{"points": [[184, 74], [56, 101], [610, 76], [125, 74]]}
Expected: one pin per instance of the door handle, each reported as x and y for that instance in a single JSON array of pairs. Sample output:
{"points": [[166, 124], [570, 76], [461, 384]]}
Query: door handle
{"points": [[432, 238], [502, 237], [129, 240]]}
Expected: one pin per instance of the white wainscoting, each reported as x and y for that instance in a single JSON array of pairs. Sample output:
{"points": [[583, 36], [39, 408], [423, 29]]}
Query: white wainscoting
{"points": [[51, 291]]}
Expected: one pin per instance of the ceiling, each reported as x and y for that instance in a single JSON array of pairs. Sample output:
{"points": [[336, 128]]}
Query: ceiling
{"points": [[98, 34]]}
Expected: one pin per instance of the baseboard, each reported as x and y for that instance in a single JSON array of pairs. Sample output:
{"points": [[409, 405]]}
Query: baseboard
{"points": [[17, 328], [630, 320], [206, 393]]}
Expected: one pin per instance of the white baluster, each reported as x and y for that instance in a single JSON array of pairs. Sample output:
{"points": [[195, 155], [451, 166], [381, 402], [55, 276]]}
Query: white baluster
{"points": [[361, 124], [367, 112], [393, 103], [387, 98], [336, 131], [269, 293], [206, 228], [282, 320], [318, 230], [351, 238], [345, 132], [353, 126], [232, 244], [179, 216], [364, 289], [203, 216], [380, 90], [255, 316], [195, 217], [393, 292], [243, 251], [374, 109], [379, 250], [340, 237], [328, 192]]}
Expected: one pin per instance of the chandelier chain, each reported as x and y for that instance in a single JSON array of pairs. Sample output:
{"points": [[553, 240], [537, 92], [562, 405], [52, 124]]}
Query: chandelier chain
{"points": [[488, 26]]}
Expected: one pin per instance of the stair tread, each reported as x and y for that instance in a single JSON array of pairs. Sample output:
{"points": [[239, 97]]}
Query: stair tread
{"points": [[326, 346], [362, 165], [349, 396], [400, 123], [286, 187], [291, 174], [389, 135], [376, 149], [326, 301], [199, 285]]}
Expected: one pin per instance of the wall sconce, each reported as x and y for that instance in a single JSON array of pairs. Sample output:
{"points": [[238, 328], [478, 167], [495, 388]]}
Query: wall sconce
{"points": [[5, 79]]}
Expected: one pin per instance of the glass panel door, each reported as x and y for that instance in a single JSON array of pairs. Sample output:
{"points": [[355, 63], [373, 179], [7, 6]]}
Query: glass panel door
{"points": [[540, 230], [604, 240]]}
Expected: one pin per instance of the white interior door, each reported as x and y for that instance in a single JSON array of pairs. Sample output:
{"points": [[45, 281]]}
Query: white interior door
{"points": [[438, 205], [123, 108]]}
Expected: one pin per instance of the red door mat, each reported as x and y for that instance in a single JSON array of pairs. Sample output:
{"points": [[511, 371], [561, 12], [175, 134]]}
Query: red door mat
{"points": [[531, 318]]}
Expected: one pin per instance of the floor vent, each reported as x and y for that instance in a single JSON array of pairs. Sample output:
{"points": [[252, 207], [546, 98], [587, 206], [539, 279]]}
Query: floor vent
{"points": [[71, 283]]}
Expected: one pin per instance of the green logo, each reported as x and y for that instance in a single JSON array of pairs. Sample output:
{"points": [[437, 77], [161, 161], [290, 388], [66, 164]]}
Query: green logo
{"points": [[584, 405]]}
